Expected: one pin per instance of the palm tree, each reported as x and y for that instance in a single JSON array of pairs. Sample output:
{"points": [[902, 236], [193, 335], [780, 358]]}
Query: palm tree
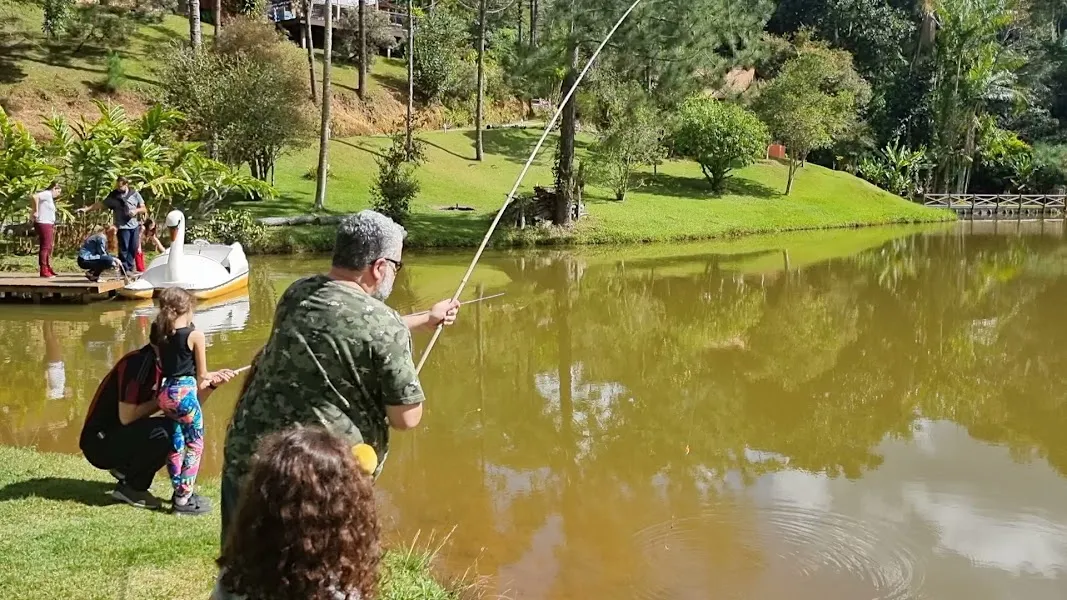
{"points": [[973, 68], [324, 129]]}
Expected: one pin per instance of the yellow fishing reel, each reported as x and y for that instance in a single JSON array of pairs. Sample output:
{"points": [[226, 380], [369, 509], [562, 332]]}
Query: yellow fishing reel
{"points": [[366, 457]]}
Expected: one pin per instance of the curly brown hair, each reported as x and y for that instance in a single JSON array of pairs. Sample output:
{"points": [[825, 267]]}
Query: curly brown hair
{"points": [[306, 523]]}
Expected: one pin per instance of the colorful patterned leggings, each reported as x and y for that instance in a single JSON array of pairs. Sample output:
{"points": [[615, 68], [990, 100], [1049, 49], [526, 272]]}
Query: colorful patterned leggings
{"points": [[179, 402]]}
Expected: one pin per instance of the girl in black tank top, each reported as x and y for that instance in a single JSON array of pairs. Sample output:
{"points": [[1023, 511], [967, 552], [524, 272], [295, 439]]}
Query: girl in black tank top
{"points": [[184, 365]]}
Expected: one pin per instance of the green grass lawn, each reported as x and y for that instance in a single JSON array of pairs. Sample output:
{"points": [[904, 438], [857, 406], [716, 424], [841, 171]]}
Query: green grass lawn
{"points": [[675, 205], [61, 536]]}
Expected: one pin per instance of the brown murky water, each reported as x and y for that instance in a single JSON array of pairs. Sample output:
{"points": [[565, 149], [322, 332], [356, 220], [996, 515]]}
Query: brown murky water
{"points": [[866, 414]]}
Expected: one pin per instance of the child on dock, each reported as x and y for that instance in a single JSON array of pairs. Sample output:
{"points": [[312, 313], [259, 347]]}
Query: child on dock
{"points": [[148, 235], [94, 257], [306, 525], [182, 352]]}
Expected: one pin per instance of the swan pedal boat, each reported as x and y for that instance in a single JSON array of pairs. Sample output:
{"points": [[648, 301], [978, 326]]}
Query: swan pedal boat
{"points": [[205, 270]]}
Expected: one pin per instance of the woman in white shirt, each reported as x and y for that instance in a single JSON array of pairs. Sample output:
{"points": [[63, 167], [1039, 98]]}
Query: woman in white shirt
{"points": [[43, 207]]}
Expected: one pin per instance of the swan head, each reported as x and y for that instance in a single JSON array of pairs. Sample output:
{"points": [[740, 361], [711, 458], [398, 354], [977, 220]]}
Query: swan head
{"points": [[175, 219]]}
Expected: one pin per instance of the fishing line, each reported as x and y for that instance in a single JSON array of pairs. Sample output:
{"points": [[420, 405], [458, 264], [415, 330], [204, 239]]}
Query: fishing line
{"points": [[522, 175]]}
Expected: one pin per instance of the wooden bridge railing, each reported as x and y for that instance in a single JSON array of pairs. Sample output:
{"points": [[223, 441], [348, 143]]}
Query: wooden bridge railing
{"points": [[1001, 206]]}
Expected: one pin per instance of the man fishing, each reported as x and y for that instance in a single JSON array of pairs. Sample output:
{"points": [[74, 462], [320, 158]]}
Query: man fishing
{"points": [[337, 356]]}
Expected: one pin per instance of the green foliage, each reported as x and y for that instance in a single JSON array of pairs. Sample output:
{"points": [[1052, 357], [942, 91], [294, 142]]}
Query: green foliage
{"points": [[812, 102], [719, 136], [115, 74], [396, 186], [99, 26], [974, 68], [169, 174], [246, 97], [23, 168], [57, 17], [441, 49], [229, 226], [379, 35], [631, 139], [897, 169]]}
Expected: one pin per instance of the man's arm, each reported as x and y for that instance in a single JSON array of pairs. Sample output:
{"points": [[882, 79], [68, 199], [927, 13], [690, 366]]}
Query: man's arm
{"points": [[444, 311], [94, 206], [395, 368], [130, 388], [141, 209], [34, 203]]}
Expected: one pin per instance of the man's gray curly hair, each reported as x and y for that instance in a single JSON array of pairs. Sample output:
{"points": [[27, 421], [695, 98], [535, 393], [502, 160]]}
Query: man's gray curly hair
{"points": [[365, 237]]}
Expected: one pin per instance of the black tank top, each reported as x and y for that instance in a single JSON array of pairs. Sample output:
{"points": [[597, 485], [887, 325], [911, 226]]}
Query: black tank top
{"points": [[177, 358]]}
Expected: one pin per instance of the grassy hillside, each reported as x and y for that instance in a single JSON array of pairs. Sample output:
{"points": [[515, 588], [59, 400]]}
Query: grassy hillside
{"points": [[675, 205], [38, 76]]}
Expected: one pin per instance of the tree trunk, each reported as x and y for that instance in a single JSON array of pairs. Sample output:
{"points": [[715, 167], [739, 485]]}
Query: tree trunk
{"points": [[480, 108], [519, 6], [793, 163], [218, 19], [324, 130], [411, 78], [533, 23], [311, 49], [194, 24], [568, 130], [362, 88]]}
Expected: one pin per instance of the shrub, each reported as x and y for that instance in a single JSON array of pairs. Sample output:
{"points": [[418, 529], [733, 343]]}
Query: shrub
{"points": [[115, 75], [719, 136], [395, 186], [230, 226]]}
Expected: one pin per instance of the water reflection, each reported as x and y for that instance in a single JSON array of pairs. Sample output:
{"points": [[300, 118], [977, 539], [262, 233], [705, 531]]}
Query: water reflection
{"points": [[704, 426], [857, 414]]}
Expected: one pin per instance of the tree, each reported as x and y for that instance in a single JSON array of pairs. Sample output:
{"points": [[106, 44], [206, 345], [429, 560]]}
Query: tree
{"points": [[309, 43], [395, 186], [670, 45], [377, 34], [324, 128], [90, 155], [719, 136], [194, 23], [363, 54], [627, 145], [411, 80], [23, 168], [438, 56], [245, 97], [812, 102], [974, 69]]}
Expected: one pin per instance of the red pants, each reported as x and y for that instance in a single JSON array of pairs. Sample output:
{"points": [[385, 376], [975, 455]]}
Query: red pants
{"points": [[46, 234], [138, 259]]}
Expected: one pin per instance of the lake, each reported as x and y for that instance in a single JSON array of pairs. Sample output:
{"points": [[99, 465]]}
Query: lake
{"points": [[858, 414]]}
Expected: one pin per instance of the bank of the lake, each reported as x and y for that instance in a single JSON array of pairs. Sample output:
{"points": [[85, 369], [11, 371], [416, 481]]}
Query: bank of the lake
{"points": [[674, 205], [61, 536]]}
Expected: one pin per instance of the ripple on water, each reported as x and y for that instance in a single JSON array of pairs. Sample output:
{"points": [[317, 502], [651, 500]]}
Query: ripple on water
{"points": [[790, 545]]}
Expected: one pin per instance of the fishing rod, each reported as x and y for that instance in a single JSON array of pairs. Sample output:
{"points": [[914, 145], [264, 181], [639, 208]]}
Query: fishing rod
{"points": [[515, 188], [474, 301]]}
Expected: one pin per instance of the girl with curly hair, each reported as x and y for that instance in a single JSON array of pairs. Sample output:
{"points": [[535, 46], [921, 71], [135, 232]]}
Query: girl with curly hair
{"points": [[306, 526]]}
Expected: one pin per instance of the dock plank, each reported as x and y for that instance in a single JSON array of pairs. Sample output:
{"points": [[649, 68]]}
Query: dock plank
{"points": [[64, 286]]}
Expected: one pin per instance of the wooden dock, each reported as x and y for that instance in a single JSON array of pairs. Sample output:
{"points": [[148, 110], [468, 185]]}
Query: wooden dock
{"points": [[20, 287], [1016, 207]]}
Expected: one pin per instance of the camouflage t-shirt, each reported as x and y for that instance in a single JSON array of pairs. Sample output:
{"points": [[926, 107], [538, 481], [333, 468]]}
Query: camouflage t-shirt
{"points": [[336, 357]]}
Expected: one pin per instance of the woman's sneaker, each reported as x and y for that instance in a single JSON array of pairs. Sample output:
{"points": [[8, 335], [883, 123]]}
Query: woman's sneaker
{"points": [[125, 493], [196, 505]]}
